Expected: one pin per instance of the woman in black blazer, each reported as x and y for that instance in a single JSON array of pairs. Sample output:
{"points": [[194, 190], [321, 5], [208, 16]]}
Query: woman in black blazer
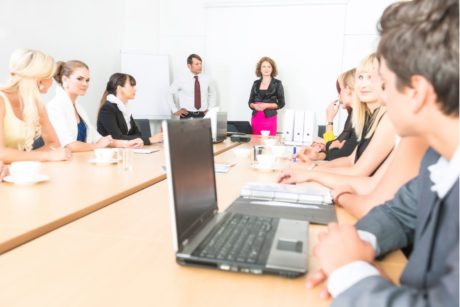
{"points": [[267, 96], [114, 117]]}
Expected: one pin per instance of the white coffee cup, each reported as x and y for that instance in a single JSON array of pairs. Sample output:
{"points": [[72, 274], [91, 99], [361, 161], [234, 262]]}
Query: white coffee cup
{"points": [[104, 154], [25, 170], [265, 161], [270, 141], [278, 151], [265, 133]]}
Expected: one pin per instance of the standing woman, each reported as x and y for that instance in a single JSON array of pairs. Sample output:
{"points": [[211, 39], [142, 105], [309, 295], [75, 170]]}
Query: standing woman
{"points": [[114, 118], [23, 117], [68, 117], [267, 96]]}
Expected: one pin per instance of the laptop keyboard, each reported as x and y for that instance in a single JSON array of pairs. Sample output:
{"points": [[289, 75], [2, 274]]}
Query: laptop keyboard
{"points": [[239, 238]]}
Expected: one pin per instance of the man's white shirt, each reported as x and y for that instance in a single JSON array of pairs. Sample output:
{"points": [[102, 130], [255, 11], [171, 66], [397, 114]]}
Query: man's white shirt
{"points": [[184, 88]]}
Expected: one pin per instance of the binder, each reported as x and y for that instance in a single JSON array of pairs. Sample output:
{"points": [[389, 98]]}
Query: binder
{"points": [[288, 125], [298, 126], [310, 128]]}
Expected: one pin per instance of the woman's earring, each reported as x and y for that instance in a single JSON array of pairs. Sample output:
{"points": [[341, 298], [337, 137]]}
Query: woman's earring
{"points": [[40, 87]]}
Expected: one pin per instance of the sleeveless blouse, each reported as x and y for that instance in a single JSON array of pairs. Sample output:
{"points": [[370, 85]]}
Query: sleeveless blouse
{"points": [[14, 129]]}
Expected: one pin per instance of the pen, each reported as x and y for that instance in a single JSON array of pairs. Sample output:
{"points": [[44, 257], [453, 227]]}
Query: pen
{"points": [[294, 152]]}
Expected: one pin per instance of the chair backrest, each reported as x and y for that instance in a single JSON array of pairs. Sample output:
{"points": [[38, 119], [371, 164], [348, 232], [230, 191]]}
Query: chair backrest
{"points": [[321, 130], [239, 126], [144, 127]]}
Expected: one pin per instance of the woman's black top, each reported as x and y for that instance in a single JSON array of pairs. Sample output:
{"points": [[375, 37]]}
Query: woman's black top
{"points": [[363, 143], [349, 136], [110, 121], [273, 94]]}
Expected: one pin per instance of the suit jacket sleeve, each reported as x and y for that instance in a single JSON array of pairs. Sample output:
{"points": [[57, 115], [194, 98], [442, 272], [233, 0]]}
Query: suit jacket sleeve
{"points": [[393, 224], [376, 291]]}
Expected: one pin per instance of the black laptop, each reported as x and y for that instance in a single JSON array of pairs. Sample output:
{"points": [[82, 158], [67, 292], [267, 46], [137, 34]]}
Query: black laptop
{"points": [[230, 241]]}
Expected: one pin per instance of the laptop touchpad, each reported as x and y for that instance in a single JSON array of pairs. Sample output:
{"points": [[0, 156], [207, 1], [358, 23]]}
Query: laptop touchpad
{"points": [[289, 246]]}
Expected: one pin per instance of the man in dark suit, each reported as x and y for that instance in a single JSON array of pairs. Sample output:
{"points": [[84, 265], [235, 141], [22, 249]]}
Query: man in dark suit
{"points": [[418, 54]]}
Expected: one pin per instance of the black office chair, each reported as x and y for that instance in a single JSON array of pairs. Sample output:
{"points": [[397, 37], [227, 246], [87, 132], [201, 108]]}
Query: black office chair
{"points": [[144, 127], [239, 127], [321, 130]]}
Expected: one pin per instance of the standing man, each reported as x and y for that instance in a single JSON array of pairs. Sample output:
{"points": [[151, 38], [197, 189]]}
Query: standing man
{"points": [[419, 65], [196, 92]]}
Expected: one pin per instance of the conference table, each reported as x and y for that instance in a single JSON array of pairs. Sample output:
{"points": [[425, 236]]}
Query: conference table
{"points": [[75, 189], [122, 255]]}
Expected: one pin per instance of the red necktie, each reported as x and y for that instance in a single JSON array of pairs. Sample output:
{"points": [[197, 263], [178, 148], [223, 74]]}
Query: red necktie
{"points": [[197, 94]]}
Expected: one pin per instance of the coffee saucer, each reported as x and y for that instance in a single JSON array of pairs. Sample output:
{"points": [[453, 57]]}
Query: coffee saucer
{"points": [[271, 168], [26, 180], [102, 162]]}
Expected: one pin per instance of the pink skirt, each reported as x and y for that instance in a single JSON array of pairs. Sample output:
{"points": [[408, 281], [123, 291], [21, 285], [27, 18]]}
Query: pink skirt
{"points": [[259, 122]]}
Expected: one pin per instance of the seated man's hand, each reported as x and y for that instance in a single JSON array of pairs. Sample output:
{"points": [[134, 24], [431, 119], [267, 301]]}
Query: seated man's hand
{"points": [[341, 245], [317, 279]]}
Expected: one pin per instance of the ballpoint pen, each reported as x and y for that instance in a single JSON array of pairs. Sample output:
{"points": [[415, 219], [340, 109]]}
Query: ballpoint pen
{"points": [[294, 152]]}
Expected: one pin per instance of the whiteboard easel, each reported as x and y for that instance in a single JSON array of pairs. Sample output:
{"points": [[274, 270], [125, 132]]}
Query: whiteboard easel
{"points": [[152, 81]]}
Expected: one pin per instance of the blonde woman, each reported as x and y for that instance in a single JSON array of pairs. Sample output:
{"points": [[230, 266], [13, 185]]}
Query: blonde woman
{"points": [[23, 117], [375, 133], [68, 117]]}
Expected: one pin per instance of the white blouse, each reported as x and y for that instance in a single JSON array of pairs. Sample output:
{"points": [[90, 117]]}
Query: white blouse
{"points": [[62, 116]]}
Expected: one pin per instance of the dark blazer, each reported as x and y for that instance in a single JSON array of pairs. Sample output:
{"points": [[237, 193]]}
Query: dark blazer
{"points": [[416, 215], [110, 121], [273, 94]]}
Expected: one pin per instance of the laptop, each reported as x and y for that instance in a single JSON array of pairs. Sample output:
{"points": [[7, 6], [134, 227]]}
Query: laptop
{"points": [[229, 241]]}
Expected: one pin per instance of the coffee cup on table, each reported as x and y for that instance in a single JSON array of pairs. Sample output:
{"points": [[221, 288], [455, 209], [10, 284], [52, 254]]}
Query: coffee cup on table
{"points": [[104, 154], [265, 161], [265, 133], [25, 170]]}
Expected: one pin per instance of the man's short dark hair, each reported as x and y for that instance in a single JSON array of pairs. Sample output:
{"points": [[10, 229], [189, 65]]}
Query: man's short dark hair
{"points": [[420, 37], [193, 56]]}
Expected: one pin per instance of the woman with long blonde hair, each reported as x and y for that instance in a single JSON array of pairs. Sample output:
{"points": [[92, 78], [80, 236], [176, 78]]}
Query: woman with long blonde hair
{"points": [[376, 136], [23, 117]]}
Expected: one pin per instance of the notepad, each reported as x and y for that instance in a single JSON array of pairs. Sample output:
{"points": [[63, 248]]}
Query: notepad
{"points": [[286, 192], [223, 167]]}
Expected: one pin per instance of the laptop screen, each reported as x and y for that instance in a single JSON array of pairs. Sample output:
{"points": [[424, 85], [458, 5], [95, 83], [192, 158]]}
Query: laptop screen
{"points": [[190, 171]]}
